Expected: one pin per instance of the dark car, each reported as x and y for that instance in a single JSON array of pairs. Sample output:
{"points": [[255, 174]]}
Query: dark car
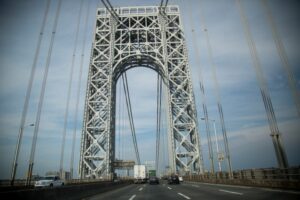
{"points": [[173, 179], [153, 180]]}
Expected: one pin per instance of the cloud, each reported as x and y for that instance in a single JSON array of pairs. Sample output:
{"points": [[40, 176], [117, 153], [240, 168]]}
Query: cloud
{"points": [[242, 105]]}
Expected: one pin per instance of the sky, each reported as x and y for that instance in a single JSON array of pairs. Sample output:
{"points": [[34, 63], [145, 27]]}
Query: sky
{"points": [[249, 138]]}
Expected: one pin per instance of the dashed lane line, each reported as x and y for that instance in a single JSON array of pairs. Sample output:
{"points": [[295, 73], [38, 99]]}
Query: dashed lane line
{"points": [[141, 189], [184, 196], [197, 186], [169, 188], [231, 192], [132, 197]]}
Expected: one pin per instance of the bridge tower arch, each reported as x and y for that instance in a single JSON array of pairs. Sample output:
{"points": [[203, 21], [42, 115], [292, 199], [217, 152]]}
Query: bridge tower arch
{"points": [[147, 36]]}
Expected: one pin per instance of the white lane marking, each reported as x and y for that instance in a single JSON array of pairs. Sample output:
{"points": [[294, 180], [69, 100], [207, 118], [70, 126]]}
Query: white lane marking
{"points": [[235, 186], [169, 188], [284, 191], [141, 189], [197, 186], [132, 197], [231, 192], [184, 196]]}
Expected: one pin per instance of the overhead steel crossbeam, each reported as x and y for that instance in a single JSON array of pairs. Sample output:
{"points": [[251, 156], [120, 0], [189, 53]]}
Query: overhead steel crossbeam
{"points": [[152, 42]]}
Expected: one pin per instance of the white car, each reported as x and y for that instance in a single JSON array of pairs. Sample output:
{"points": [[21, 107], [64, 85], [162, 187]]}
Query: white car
{"points": [[49, 181]]}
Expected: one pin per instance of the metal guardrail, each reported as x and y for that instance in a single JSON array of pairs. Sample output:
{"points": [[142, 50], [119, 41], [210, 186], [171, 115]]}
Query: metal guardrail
{"points": [[272, 177]]}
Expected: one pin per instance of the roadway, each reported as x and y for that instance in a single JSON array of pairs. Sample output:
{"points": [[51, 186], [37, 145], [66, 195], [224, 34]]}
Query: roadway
{"points": [[194, 191]]}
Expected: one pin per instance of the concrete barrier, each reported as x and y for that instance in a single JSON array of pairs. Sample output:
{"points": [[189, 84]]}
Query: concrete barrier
{"points": [[68, 192], [271, 177]]}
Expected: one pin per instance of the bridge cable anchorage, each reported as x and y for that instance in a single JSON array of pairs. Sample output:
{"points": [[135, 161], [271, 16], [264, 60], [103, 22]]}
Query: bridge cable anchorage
{"points": [[203, 96], [283, 57], [28, 94], [158, 119], [41, 99], [216, 91], [78, 92], [276, 138], [129, 110], [69, 92]]}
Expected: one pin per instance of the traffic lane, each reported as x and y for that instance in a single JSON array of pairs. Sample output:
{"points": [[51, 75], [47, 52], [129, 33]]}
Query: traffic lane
{"points": [[238, 192], [156, 192], [200, 193], [123, 193], [209, 191], [141, 192]]}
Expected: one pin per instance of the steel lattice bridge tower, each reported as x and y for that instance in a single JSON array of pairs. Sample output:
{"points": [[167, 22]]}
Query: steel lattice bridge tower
{"points": [[151, 37]]}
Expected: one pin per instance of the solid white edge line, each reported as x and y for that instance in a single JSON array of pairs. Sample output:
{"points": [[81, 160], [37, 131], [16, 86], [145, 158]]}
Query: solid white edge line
{"points": [[184, 196], [278, 190], [234, 186], [169, 188], [132, 197], [231, 192]]}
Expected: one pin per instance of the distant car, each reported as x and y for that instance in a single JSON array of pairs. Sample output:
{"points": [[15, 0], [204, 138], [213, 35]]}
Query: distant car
{"points": [[180, 179], [49, 181], [153, 180], [173, 179]]}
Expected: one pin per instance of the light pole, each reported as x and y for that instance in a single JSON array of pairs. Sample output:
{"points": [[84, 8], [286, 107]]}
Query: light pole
{"points": [[217, 144], [15, 163]]}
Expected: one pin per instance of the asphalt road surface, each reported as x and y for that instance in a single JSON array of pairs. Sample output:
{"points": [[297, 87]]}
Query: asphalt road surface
{"points": [[191, 190]]}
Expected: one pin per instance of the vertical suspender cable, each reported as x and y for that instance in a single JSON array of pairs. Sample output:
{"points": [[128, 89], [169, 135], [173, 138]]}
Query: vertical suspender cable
{"points": [[123, 124], [217, 93], [41, 100], [119, 119], [203, 97], [283, 56], [128, 103], [69, 92], [78, 90], [158, 119], [28, 93], [279, 149]]}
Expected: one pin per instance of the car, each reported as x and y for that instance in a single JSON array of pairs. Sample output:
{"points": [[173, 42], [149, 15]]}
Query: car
{"points": [[173, 179], [153, 180], [180, 179], [49, 181]]}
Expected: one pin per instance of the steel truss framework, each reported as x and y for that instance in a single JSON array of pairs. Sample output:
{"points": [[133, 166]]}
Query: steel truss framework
{"points": [[141, 36]]}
